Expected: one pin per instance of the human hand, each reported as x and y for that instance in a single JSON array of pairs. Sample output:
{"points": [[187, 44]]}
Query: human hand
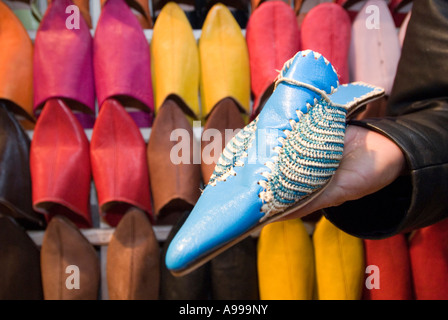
{"points": [[370, 162]]}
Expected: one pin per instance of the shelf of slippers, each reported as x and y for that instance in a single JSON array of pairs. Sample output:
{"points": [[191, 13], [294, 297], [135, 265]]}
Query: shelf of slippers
{"points": [[101, 234]]}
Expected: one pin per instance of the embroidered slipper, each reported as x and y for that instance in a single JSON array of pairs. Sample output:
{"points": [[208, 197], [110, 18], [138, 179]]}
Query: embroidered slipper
{"points": [[270, 168]]}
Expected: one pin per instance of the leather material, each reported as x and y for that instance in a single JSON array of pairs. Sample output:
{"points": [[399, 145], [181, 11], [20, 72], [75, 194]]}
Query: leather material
{"points": [[193, 286], [193, 10], [63, 247], [416, 121], [122, 60], [375, 61], [232, 206], [16, 64], [140, 8], [84, 9], [15, 180], [175, 182], [327, 29], [374, 109], [60, 165], [428, 251], [119, 164], [224, 57], [174, 73], [133, 255], [272, 37], [392, 280], [234, 272], [238, 8], [223, 122], [340, 265], [20, 276], [286, 261], [54, 46]]}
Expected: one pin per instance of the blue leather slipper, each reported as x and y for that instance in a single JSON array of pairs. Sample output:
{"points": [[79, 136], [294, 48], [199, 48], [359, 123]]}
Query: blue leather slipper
{"points": [[279, 162]]}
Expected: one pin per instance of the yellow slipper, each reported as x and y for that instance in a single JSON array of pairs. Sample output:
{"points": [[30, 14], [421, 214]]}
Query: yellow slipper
{"points": [[16, 64], [285, 261], [339, 263], [175, 59], [224, 61]]}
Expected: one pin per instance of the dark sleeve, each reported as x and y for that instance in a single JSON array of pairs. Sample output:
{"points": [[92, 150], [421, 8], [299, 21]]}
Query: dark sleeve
{"points": [[417, 121]]}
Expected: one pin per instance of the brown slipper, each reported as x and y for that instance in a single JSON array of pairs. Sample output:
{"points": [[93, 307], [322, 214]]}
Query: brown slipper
{"points": [[174, 174], [20, 277], [133, 259], [70, 264]]}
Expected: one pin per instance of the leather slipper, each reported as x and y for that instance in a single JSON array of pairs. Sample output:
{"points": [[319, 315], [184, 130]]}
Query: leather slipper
{"points": [[286, 268], [224, 59], [254, 182], [272, 37], [16, 65], [20, 274], [70, 264], [122, 62], [327, 29], [390, 274], [15, 180], [119, 165], [428, 251], [63, 64], [133, 254], [175, 74], [340, 265], [60, 165], [174, 171]]}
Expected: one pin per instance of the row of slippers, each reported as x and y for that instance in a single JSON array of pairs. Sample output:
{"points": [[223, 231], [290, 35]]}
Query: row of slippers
{"points": [[272, 37], [285, 264], [196, 10]]}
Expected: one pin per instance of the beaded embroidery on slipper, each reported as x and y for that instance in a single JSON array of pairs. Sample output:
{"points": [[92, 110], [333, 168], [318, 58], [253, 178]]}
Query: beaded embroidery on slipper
{"points": [[233, 153], [307, 160]]}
